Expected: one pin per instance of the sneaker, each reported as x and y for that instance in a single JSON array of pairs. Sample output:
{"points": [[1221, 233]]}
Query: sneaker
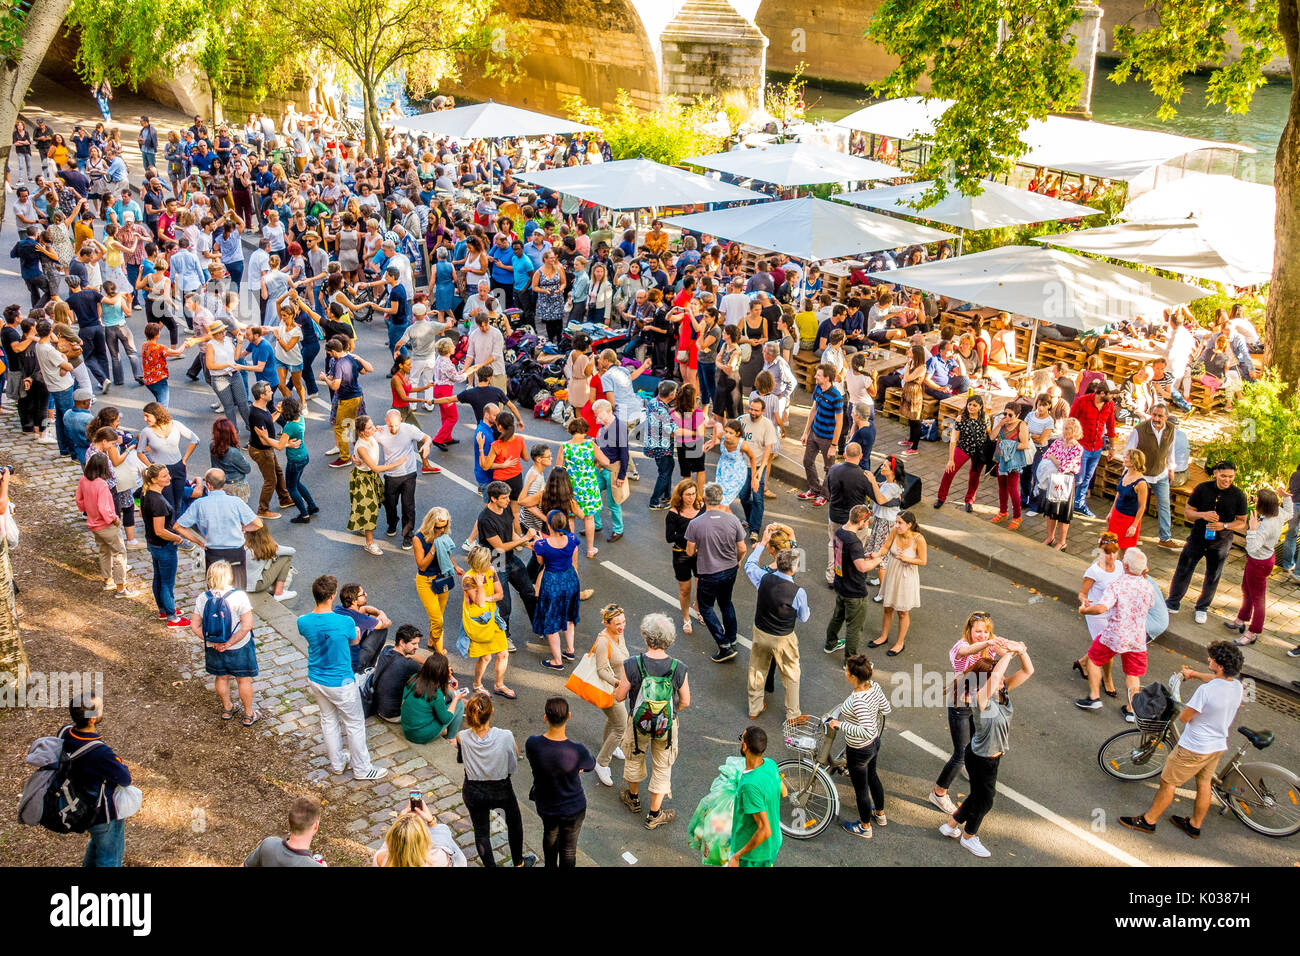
{"points": [[374, 548], [878, 599], [950, 831], [1294, 652], [1085, 511], [1031, 513], [510, 647], [1185, 824], [604, 776], [1169, 544], [110, 585], [661, 819], [127, 592], [406, 544], [806, 495], [1200, 617], [300, 519], [724, 654], [904, 442], [944, 803], [268, 515], [660, 506], [391, 533], [286, 596], [333, 451], [618, 754], [910, 452], [103, 389], [374, 773], [856, 828], [347, 759], [1128, 715], [468, 545], [340, 463], [837, 646], [431, 470], [1138, 823], [47, 437], [820, 502], [178, 621], [1088, 703], [630, 800], [975, 846], [874, 583], [135, 545]]}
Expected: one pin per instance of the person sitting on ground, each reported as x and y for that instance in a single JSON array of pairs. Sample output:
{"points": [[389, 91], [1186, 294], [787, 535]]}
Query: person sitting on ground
{"points": [[294, 850], [270, 564], [432, 706], [396, 665], [372, 625]]}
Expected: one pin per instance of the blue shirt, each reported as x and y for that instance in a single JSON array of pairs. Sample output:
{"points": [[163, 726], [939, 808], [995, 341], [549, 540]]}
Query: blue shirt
{"points": [[755, 573], [187, 271], [219, 518], [535, 252], [231, 248], [485, 432], [938, 370], [502, 264], [262, 352], [397, 297], [329, 640], [523, 268], [828, 404], [365, 624]]}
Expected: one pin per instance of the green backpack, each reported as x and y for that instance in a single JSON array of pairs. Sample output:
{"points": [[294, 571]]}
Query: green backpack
{"points": [[652, 714]]}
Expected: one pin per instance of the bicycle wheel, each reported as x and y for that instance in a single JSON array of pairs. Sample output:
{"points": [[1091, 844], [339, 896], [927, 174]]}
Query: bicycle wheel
{"points": [[812, 802], [1265, 797], [1133, 755]]}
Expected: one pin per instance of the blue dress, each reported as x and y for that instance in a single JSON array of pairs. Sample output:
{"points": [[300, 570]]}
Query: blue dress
{"points": [[444, 287], [557, 604], [732, 473]]}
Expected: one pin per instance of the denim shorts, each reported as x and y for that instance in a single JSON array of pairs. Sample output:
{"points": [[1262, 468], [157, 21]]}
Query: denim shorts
{"points": [[237, 663], [289, 368]]}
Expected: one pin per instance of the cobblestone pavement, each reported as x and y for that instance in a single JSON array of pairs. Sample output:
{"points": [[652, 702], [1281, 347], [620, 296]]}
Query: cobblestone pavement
{"points": [[280, 689]]}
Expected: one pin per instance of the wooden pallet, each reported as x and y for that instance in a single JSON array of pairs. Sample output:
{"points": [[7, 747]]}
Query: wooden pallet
{"points": [[805, 368], [892, 406], [1070, 354]]}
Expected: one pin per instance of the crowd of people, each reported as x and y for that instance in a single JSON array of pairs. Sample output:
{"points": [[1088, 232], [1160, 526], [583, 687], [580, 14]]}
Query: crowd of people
{"points": [[468, 271]]}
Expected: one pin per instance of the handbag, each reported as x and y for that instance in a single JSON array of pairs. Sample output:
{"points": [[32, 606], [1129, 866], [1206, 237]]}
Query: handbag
{"points": [[1060, 487], [587, 683], [619, 492], [8, 526], [1211, 382], [683, 356]]}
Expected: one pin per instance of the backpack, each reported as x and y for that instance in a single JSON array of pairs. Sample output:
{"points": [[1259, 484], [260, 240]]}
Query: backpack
{"points": [[218, 623], [49, 799], [369, 681], [652, 714]]}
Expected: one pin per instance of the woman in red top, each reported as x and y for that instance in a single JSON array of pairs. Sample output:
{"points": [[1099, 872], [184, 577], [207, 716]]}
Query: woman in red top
{"points": [[688, 344], [402, 389], [154, 357], [505, 457]]}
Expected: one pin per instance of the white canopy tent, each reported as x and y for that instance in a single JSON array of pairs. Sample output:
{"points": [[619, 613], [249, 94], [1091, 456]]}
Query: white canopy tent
{"points": [[809, 229], [1079, 146], [796, 164], [1047, 285], [1234, 257], [999, 205], [637, 184], [1210, 198], [488, 121]]}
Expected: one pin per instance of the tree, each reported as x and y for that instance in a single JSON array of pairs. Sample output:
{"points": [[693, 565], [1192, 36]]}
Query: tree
{"points": [[27, 29], [432, 40], [665, 135], [1006, 62]]}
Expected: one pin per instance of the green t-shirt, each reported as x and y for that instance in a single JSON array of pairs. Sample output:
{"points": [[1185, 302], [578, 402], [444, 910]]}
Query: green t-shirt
{"points": [[294, 429], [760, 789]]}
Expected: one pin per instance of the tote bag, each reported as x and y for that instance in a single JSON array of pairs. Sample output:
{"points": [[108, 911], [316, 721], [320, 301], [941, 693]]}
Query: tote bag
{"points": [[586, 683]]}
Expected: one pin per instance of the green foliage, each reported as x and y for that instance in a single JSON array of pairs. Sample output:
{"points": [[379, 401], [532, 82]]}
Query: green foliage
{"points": [[785, 100], [666, 135], [128, 40], [1264, 438], [11, 29], [1253, 303], [998, 82]]}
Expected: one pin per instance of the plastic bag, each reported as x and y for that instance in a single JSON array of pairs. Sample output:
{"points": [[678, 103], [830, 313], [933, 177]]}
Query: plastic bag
{"points": [[710, 826]]}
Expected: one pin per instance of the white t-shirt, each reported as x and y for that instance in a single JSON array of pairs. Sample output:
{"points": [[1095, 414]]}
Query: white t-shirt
{"points": [[405, 442], [735, 306], [1100, 579], [290, 356], [1216, 706], [239, 605]]}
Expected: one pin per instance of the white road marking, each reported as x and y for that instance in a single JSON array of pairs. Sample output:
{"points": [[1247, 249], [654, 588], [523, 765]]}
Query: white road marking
{"points": [[664, 596], [629, 858], [1037, 808], [452, 476]]}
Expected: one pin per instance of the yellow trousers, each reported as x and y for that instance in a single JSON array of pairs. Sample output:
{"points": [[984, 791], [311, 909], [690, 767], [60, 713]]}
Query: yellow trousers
{"points": [[434, 606]]}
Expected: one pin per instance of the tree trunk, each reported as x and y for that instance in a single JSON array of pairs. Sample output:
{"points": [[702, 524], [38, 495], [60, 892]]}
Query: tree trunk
{"points": [[380, 140], [1282, 320], [39, 29], [367, 98]]}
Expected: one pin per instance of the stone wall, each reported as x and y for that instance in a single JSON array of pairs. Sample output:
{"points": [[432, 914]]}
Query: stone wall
{"points": [[1136, 13], [588, 48], [826, 35], [710, 48]]}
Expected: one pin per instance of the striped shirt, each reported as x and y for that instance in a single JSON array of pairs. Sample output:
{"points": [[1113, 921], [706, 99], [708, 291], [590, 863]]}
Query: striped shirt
{"points": [[860, 715], [826, 405]]}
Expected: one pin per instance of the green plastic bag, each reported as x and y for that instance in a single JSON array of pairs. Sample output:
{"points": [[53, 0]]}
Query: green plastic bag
{"points": [[710, 827]]}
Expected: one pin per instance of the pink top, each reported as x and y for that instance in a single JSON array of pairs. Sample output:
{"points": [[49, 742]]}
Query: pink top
{"points": [[1070, 456], [1128, 598], [95, 501]]}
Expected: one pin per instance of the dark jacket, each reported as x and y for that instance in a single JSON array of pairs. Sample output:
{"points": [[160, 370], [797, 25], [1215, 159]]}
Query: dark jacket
{"points": [[97, 771]]}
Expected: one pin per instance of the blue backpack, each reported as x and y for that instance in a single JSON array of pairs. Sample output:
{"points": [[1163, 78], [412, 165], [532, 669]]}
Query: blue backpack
{"points": [[218, 623]]}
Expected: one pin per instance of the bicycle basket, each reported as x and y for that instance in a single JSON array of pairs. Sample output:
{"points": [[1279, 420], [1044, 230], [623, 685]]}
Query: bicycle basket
{"points": [[804, 734], [1154, 727]]}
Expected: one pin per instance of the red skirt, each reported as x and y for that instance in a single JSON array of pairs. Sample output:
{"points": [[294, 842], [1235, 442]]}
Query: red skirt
{"points": [[1119, 525]]}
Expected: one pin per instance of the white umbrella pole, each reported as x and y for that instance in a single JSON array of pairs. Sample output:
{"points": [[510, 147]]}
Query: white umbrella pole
{"points": [[1029, 353], [961, 235]]}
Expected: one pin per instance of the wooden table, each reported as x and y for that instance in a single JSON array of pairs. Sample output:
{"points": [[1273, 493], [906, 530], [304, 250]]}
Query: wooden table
{"points": [[1120, 361], [882, 362], [904, 345], [836, 277]]}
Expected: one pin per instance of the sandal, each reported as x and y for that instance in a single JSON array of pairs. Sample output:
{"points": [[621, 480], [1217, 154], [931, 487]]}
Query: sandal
{"points": [[505, 692], [999, 516], [686, 626], [1014, 524], [250, 719], [1246, 640], [592, 552], [229, 712], [480, 689], [1076, 666], [1112, 693]]}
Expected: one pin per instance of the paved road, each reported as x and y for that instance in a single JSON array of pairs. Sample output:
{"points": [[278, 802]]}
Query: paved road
{"points": [[1056, 806]]}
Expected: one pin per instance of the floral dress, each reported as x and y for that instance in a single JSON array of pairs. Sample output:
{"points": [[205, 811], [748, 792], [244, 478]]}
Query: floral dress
{"points": [[550, 301], [580, 460], [732, 473]]}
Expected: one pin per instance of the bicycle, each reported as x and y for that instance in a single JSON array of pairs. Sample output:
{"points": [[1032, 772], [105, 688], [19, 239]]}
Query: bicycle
{"points": [[813, 802], [1263, 796]]}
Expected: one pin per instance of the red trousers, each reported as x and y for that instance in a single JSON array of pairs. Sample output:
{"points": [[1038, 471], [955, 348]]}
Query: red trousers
{"points": [[449, 414], [1254, 586], [1009, 485], [972, 484]]}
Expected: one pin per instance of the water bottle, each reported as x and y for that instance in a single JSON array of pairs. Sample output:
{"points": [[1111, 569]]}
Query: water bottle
{"points": [[1209, 533]]}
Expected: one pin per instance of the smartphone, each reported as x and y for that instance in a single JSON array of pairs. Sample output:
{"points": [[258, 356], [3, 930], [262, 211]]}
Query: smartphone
{"points": [[417, 799]]}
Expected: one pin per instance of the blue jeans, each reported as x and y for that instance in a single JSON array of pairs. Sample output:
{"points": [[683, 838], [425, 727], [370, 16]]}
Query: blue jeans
{"points": [[164, 577], [148, 157], [604, 479], [107, 844], [395, 332], [161, 390], [309, 352], [236, 270], [62, 402], [752, 502], [664, 480], [1086, 471], [297, 490], [1288, 545], [1161, 490], [717, 587], [707, 374]]}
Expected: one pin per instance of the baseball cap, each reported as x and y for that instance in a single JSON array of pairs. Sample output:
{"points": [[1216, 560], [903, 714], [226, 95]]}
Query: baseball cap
{"points": [[82, 395]]}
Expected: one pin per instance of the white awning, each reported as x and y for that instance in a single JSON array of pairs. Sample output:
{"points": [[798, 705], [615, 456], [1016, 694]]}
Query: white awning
{"points": [[1209, 198], [488, 121], [637, 184], [1048, 284], [809, 229], [1079, 146], [999, 205], [1231, 256], [796, 164]]}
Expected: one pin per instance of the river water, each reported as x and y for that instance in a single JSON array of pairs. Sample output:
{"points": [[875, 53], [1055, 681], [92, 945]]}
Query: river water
{"points": [[1133, 105]]}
